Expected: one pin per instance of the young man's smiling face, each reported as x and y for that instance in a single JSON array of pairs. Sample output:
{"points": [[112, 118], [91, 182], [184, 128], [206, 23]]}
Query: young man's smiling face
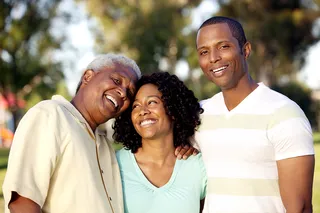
{"points": [[220, 57], [108, 92]]}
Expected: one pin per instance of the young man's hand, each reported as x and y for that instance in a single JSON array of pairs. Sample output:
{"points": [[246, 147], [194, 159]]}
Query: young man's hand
{"points": [[185, 152]]}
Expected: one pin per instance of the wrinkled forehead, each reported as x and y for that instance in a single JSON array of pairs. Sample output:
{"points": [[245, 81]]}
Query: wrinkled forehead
{"points": [[125, 71]]}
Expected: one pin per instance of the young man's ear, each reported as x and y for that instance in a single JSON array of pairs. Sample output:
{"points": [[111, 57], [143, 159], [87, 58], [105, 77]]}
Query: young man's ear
{"points": [[246, 50], [87, 76]]}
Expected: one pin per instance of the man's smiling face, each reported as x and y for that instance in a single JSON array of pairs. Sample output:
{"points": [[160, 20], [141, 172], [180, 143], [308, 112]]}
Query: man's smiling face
{"points": [[109, 92], [220, 57]]}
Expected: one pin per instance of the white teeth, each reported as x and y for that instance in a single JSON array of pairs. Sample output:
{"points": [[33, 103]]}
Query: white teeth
{"points": [[112, 100], [146, 122], [219, 69]]}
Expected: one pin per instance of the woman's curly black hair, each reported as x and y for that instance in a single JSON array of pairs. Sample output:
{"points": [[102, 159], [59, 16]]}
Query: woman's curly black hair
{"points": [[180, 104]]}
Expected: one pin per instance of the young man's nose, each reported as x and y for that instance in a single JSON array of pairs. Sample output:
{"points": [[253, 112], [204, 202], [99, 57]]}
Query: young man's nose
{"points": [[214, 56]]}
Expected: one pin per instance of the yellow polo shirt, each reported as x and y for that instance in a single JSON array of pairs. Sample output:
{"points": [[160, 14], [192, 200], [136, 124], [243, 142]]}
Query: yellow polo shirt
{"points": [[59, 163]]}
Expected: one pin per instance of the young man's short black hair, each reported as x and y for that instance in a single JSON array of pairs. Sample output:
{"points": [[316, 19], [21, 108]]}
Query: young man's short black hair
{"points": [[234, 26]]}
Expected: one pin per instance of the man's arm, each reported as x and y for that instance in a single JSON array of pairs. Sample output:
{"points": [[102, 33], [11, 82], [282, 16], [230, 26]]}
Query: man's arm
{"points": [[295, 182], [291, 135], [32, 159], [19, 204]]}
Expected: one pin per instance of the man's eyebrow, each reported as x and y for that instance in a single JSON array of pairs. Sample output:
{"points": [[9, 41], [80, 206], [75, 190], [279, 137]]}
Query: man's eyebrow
{"points": [[218, 43], [201, 47], [224, 41]]}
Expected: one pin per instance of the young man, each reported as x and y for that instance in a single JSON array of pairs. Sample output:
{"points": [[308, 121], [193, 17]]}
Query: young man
{"points": [[256, 143]]}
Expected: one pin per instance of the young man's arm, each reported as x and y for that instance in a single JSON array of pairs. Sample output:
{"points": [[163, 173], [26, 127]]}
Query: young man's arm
{"points": [[21, 204], [295, 182], [292, 138]]}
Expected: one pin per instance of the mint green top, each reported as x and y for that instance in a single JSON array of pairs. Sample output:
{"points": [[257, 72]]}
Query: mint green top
{"points": [[182, 193]]}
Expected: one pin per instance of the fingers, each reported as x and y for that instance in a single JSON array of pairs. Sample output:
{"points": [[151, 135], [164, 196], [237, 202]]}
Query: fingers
{"points": [[177, 151], [195, 151], [188, 153], [185, 152], [180, 151]]}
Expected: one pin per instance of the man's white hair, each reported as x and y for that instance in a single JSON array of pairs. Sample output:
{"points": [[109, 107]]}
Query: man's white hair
{"points": [[110, 59]]}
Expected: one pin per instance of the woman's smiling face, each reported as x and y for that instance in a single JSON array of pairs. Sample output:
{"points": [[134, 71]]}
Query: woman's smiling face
{"points": [[149, 115]]}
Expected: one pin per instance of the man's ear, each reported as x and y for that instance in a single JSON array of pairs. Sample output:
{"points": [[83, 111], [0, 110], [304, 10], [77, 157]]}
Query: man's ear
{"points": [[87, 76], [246, 49]]}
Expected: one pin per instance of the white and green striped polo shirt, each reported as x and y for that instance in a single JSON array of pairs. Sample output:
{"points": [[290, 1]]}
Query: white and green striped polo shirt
{"points": [[240, 149]]}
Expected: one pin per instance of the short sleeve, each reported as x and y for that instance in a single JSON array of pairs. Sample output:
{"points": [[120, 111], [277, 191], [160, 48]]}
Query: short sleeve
{"points": [[291, 133], [203, 177], [32, 157]]}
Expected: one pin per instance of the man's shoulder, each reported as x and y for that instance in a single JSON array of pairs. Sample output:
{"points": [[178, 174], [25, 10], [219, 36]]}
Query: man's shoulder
{"points": [[47, 105], [279, 105], [266, 93], [272, 97], [51, 106], [45, 108], [217, 98]]}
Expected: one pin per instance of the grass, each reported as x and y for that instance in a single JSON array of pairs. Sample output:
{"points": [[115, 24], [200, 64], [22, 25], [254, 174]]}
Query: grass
{"points": [[3, 167], [316, 184], [316, 137]]}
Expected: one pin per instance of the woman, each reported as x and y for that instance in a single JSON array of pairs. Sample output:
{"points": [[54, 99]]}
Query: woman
{"points": [[164, 115]]}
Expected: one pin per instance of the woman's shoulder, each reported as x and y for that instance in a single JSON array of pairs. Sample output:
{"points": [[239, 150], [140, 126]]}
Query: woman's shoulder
{"points": [[123, 155], [195, 158], [196, 161]]}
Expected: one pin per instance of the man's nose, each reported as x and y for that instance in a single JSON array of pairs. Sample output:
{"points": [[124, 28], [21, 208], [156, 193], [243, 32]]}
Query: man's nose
{"points": [[214, 56], [122, 91]]}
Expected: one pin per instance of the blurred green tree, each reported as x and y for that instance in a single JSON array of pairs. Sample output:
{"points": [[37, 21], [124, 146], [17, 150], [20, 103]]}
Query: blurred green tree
{"points": [[151, 32], [156, 35], [280, 32], [26, 49]]}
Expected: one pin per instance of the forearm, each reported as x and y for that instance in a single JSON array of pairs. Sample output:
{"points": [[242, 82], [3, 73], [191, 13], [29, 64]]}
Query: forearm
{"points": [[21, 204], [295, 183], [306, 208]]}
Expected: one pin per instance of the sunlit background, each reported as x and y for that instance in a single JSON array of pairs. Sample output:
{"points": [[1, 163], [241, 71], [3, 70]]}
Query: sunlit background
{"points": [[45, 46]]}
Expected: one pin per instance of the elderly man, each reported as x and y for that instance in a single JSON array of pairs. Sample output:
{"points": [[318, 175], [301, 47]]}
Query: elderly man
{"points": [[256, 143], [59, 160]]}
